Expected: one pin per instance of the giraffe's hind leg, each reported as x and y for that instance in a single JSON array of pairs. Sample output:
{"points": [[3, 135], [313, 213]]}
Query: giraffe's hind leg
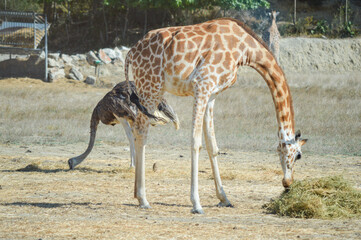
{"points": [[212, 149]]}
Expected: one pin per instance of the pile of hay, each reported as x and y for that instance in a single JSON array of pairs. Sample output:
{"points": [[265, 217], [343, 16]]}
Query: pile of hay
{"points": [[325, 198]]}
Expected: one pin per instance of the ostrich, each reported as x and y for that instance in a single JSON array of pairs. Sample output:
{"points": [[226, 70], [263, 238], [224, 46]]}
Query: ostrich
{"points": [[120, 106]]}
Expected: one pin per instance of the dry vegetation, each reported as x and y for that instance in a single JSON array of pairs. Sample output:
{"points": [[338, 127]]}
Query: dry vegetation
{"points": [[327, 198], [327, 107], [42, 125]]}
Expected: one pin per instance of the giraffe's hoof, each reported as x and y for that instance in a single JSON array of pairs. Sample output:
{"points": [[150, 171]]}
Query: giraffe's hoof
{"points": [[145, 206], [71, 164], [225, 204], [197, 211]]}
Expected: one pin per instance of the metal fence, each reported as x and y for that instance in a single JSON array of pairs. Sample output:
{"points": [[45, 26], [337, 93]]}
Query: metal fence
{"points": [[22, 32]]}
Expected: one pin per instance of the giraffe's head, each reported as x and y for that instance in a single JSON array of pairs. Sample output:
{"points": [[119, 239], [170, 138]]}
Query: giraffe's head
{"points": [[289, 152], [273, 15]]}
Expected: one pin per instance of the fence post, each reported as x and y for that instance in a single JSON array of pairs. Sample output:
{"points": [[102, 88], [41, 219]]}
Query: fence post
{"points": [[34, 27], [46, 48]]}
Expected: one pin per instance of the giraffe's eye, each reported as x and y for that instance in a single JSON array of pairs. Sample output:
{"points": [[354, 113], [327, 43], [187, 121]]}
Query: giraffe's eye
{"points": [[298, 156]]}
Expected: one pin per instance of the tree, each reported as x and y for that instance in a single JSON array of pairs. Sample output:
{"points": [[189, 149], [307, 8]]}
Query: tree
{"points": [[242, 4]]}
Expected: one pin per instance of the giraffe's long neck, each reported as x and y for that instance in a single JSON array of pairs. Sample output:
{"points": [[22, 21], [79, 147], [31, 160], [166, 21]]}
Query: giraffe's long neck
{"points": [[281, 95]]}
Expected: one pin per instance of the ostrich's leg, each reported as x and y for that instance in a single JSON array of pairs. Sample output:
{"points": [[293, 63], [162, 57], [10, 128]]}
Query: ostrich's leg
{"points": [[129, 133]]}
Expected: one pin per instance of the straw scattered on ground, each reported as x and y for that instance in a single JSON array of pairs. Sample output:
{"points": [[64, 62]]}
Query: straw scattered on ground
{"points": [[325, 198]]}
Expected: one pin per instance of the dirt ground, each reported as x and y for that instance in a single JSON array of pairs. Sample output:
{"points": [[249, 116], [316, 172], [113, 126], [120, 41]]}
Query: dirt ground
{"points": [[95, 201]]}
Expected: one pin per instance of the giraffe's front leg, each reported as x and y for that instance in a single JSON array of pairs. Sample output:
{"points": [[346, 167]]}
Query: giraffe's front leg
{"points": [[212, 149], [140, 133], [198, 113]]}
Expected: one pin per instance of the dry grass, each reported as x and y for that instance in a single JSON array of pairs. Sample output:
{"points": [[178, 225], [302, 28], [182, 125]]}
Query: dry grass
{"points": [[326, 198], [327, 108]]}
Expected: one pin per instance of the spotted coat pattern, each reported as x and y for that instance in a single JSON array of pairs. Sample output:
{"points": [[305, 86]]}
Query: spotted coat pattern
{"points": [[201, 61]]}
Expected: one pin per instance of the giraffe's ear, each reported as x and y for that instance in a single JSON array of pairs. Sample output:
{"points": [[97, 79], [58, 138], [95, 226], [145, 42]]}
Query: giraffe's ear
{"points": [[302, 142], [297, 135]]}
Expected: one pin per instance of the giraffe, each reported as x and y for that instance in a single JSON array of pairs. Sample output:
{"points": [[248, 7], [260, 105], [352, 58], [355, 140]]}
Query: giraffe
{"points": [[272, 36], [201, 60]]}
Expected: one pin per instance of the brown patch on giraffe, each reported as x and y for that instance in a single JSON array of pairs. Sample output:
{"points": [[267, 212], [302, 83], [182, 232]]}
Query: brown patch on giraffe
{"points": [[269, 56], [219, 70], [190, 45], [236, 55], [187, 72], [217, 58], [210, 28], [177, 58], [218, 43], [156, 62], [267, 64], [208, 41], [156, 70], [237, 30], [180, 36], [153, 47], [168, 69], [231, 41], [180, 46], [177, 69], [250, 42], [189, 57], [242, 46], [259, 55], [190, 34], [197, 40], [227, 61], [223, 29]]}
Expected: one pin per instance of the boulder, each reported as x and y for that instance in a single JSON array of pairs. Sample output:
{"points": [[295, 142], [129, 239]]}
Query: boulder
{"points": [[91, 58], [104, 57], [54, 56], [119, 54], [56, 73], [110, 52], [67, 59], [91, 80], [75, 74]]}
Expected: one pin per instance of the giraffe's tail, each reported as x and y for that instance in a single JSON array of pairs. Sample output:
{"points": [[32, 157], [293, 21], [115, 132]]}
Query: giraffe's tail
{"points": [[128, 58]]}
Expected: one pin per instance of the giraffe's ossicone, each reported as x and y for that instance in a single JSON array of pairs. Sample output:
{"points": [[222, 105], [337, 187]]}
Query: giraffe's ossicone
{"points": [[201, 61]]}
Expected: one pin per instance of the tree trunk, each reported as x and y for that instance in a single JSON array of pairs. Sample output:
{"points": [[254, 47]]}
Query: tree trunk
{"points": [[125, 23], [105, 25], [145, 22], [294, 12]]}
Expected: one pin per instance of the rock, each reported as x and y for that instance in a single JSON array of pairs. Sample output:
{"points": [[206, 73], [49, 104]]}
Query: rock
{"points": [[90, 80], [124, 48], [119, 54], [66, 58], [91, 58], [110, 52], [81, 57], [104, 57], [75, 74], [52, 63], [54, 56], [56, 73]]}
